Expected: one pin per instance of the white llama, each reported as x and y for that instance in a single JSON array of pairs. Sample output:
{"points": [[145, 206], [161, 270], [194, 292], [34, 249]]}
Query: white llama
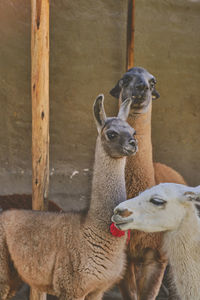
{"points": [[170, 208]]}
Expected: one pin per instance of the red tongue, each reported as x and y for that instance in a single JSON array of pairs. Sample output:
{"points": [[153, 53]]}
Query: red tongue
{"points": [[116, 232]]}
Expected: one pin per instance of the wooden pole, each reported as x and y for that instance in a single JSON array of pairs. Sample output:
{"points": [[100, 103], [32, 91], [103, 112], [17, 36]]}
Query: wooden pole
{"points": [[40, 109], [130, 34]]}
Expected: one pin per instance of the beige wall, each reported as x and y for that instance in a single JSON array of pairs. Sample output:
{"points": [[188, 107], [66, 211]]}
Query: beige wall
{"points": [[167, 43], [88, 41], [88, 54]]}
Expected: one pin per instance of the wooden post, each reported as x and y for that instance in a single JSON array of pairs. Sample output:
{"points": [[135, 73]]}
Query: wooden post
{"points": [[130, 34], [40, 108]]}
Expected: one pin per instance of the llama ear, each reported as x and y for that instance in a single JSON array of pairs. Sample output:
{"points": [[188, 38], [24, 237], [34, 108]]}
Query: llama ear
{"points": [[124, 109], [155, 94], [99, 112], [124, 81], [193, 195], [115, 92]]}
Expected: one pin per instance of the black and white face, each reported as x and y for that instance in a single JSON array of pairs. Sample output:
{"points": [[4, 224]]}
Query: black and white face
{"points": [[139, 85], [160, 208], [117, 136]]}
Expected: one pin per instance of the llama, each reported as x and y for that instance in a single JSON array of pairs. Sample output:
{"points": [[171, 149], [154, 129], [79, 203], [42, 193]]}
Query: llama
{"points": [[169, 208], [146, 262], [73, 255], [24, 201]]}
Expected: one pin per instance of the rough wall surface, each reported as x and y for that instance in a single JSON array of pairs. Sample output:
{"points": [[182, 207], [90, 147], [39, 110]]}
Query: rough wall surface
{"points": [[15, 113], [87, 57], [167, 43]]}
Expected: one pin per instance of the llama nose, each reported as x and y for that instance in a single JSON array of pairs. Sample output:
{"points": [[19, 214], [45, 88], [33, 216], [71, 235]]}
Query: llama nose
{"points": [[122, 212]]}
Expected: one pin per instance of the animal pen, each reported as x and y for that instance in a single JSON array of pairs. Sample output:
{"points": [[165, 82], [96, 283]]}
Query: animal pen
{"points": [[151, 52]]}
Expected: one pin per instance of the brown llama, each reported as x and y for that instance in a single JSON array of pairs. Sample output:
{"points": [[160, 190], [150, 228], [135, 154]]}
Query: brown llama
{"points": [[146, 262]]}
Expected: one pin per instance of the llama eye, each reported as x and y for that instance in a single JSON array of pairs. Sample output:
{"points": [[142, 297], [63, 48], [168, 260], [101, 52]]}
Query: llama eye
{"points": [[152, 83], [112, 134], [157, 201]]}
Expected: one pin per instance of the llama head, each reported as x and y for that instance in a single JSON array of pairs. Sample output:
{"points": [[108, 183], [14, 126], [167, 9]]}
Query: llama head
{"points": [[160, 208], [139, 85], [117, 136]]}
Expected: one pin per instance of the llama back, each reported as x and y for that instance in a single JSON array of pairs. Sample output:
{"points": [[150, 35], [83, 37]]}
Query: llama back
{"points": [[164, 173], [43, 239], [32, 236]]}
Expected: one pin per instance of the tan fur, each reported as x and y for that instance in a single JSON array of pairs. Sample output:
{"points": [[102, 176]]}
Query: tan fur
{"points": [[52, 265], [141, 173], [23, 201], [164, 173], [71, 255]]}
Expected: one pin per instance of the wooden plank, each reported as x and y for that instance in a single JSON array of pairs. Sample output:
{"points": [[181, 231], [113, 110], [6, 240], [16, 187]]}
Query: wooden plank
{"points": [[130, 34], [35, 295], [40, 101], [40, 108]]}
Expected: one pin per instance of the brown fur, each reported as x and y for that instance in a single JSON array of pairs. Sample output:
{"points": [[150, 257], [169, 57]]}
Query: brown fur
{"points": [[164, 173], [147, 275], [143, 275], [140, 175]]}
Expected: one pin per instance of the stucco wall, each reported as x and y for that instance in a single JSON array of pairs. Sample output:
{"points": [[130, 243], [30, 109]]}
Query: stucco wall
{"points": [[167, 43], [87, 56]]}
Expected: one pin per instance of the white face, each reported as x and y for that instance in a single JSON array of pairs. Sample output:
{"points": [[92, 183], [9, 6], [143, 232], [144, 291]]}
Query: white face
{"points": [[160, 208]]}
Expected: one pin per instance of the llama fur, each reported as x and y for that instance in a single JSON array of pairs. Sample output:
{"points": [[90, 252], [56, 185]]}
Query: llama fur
{"points": [[73, 255], [146, 261], [170, 208], [24, 201]]}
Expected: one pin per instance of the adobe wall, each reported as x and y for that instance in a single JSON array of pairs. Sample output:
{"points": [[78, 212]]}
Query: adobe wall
{"points": [[87, 57], [167, 43]]}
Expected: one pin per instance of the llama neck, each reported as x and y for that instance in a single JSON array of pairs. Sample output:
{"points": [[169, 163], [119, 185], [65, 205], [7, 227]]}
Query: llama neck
{"points": [[139, 168], [182, 248], [108, 184]]}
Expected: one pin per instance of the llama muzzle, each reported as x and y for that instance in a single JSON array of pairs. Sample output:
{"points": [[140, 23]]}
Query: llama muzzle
{"points": [[121, 218]]}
